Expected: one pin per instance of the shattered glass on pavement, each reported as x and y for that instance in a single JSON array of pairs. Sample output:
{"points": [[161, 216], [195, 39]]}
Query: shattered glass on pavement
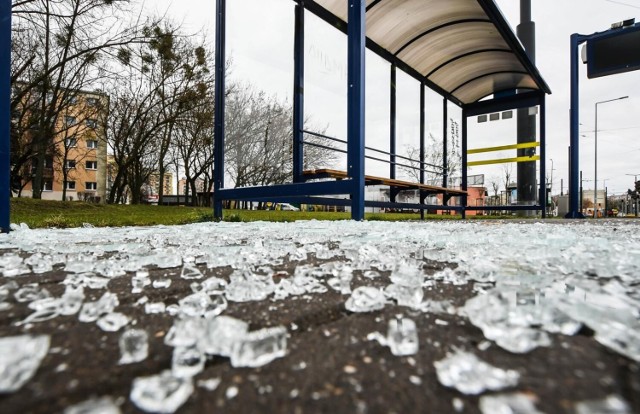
{"points": [[20, 357], [532, 285], [470, 375]]}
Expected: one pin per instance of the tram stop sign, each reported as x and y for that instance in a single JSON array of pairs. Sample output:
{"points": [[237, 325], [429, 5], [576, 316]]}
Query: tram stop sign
{"points": [[614, 51]]}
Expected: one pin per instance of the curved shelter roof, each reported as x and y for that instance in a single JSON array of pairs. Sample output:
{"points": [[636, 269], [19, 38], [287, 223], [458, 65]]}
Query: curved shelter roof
{"points": [[463, 49]]}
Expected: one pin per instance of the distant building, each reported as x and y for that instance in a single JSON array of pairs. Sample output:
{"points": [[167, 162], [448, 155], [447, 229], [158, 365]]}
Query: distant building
{"points": [[79, 149]]}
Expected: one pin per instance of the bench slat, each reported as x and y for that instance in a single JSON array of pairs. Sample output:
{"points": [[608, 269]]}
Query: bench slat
{"points": [[370, 179]]}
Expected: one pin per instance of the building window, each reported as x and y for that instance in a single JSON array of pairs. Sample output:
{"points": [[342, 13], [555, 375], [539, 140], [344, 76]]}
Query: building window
{"points": [[92, 101], [70, 142], [48, 161], [92, 144], [69, 120], [91, 165], [73, 99], [47, 185], [70, 185], [90, 186], [92, 123], [69, 164]]}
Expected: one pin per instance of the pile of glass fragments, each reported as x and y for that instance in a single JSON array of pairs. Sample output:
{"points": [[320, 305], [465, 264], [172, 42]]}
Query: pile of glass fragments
{"points": [[532, 283]]}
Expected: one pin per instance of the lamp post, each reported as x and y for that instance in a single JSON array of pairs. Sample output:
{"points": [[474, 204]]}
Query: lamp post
{"points": [[595, 168], [635, 180]]}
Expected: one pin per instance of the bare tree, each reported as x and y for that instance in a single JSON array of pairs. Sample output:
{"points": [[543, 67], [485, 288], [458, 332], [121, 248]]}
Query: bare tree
{"points": [[259, 143], [60, 48], [434, 157], [507, 174], [165, 79]]}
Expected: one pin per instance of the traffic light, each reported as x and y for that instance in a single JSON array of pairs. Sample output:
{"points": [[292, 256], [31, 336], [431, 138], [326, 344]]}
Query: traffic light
{"points": [[638, 186]]}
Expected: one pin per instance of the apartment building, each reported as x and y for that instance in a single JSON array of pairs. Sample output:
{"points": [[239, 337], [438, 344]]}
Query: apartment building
{"points": [[76, 162]]}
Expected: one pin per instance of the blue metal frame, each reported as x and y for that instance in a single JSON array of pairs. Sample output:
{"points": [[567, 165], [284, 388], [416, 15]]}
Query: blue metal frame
{"points": [[298, 95], [543, 156], [465, 165], [501, 103], [445, 144], [392, 128], [356, 105], [574, 159], [304, 191], [5, 115], [423, 132], [219, 127]]}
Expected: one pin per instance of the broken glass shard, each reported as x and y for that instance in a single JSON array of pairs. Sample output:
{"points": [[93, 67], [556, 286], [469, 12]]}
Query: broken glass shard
{"points": [[134, 346], [185, 332], [140, 281], [163, 393], [187, 361], [201, 304], [613, 404], [517, 403], [154, 307], [20, 357], [190, 272], [247, 286], [258, 348], [410, 296], [39, 263], [402, 336], [222, 334], [214, 285], [210, 384], [470, 375], [71, 300], [31, 292], [162, 283], [345, 276], [103, 405], [365, 299], [112, 322], [91, 311]]}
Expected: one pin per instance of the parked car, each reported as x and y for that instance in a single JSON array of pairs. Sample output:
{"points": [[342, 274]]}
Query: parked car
{"points": [[287, 207]]}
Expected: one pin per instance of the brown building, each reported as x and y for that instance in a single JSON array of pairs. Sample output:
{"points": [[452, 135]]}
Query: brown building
{"points": [[77, 159]]}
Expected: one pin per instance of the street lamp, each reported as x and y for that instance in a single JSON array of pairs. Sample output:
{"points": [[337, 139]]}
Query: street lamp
{"points": [[595, 173], [635, 180]]}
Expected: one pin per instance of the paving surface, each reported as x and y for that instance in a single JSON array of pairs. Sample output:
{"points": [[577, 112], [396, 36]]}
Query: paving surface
{"points": [[330, 364]]}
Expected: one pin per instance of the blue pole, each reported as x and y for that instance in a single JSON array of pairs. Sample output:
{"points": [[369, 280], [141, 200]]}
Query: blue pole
{"points": [[464, 162], [574, 168], [392, 129], [298, 95], [422, 137], [543, 155], [218, 173], [445, 146], [5, 114], [355, 100]]}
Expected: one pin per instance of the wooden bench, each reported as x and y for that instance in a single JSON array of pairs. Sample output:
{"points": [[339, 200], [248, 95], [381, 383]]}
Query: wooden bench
{"points": [[373, 180]]}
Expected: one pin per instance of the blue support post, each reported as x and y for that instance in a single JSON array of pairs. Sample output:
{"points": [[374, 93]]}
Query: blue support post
{"points": [[298, 95], [445, 145], [218, 173], [463, 199], [422, 137], [356, 102], [5, 114], [392, 129], [574, 168], [543, 156]]}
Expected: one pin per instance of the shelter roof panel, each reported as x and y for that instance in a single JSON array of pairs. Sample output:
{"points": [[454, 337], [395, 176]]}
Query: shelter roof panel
{"points": [[456, 45], [498, 82]]}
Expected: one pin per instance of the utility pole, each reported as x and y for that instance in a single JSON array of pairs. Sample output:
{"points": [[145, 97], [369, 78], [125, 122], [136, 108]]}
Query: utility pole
{"points": [[526, 120]]}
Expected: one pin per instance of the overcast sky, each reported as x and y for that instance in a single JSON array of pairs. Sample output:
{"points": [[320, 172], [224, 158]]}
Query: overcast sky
{"points": [[260, 44]]}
